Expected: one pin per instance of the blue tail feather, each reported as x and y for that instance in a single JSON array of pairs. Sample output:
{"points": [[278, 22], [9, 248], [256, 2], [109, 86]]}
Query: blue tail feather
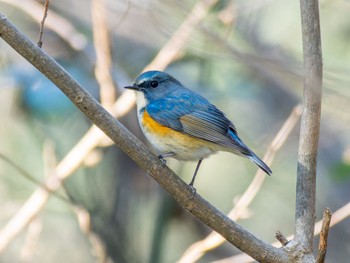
{"points": [[249, 153], [255, 159]]}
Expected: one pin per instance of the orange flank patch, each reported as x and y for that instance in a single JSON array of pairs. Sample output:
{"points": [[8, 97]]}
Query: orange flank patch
{"points": [[165, 140], [153, 127]]}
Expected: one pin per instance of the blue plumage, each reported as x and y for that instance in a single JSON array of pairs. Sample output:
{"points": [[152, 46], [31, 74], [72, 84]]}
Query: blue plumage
{"points": [[172, 105]]}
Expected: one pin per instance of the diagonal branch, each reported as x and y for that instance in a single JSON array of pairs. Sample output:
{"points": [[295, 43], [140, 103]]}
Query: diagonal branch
{"points": [[144, 158], [94, 137], [171, 49], [70, 163]]}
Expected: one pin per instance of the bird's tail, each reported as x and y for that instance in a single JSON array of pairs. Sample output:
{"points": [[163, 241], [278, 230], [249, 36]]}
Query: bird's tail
{"points": [[245, 151], [255, 159]]}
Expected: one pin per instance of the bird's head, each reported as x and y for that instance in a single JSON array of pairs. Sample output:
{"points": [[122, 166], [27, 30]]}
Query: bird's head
{"points": [[155, 84]]}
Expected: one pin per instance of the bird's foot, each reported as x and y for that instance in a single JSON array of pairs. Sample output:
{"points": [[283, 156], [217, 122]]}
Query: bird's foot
{"points": [[161, 158], [164, 155], [193, 190]]}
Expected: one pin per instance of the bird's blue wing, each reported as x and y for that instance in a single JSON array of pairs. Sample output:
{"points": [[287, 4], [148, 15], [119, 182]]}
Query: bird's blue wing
{"points": [[199, 119], [168, 112]]}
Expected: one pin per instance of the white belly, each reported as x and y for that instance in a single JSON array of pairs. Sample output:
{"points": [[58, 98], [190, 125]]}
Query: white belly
{"points": [[182, 151]]}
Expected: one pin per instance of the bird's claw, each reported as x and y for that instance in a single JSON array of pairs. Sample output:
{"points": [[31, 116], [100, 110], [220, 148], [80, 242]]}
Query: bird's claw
{"points": [[193, 190], [163, 161]]}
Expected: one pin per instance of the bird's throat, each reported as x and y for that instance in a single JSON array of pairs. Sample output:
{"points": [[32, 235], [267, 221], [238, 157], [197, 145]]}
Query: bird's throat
{"points": [[141, 102]]}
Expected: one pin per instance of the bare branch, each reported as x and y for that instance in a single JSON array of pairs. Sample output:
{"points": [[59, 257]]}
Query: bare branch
{"points": [[338, 216], [309, 134], [72, 161], [98, 247], [127, 142], [103, 67], [56, 23], [213, 240], [170, 51], [322, 247], [29, 177], [281, 238], [42, 23], [310, 125], [31, 240], [75, 158]]}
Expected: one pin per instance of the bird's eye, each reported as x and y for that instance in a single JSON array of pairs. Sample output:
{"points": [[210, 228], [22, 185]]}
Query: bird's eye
{"points": [[153, 84]]}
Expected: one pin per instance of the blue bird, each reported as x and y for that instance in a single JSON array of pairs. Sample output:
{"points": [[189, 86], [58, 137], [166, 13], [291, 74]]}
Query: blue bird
{"points": [[181, 124]]}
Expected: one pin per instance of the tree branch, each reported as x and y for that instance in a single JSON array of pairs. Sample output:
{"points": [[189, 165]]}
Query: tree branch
{"points": [[322, 248], [46, 8], [338, 216], [310, 125], [281, 238], [171, 49], [94, 137], [144, 158], [103, 66], [213, 240], [56, 23], [66, 167]]}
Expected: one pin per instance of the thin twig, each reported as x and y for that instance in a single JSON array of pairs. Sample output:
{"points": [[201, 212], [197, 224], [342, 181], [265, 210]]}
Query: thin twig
{"points": [[170, 50], [338, 216], [71, 162], [322, 247], [56, 23], [42, 23], [99, 248], [137, 151], [281, 238], [31, 240], [29, 177], [213, 240], [103, 67], [19, 169], [257, 63]]}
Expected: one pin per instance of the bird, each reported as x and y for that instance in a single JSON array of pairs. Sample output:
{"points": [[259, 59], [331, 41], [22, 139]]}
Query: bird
{"points": [[182, 124]]}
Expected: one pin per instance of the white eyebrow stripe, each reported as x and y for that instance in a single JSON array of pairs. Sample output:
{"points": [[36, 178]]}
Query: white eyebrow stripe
{"points": [[141, 81]]}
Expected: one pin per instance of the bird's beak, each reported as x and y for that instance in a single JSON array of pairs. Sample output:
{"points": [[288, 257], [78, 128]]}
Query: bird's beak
{"points": [[133, 87]]}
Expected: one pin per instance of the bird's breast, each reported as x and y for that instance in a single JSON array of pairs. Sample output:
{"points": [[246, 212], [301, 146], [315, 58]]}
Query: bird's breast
{"points": [[166, 140]]}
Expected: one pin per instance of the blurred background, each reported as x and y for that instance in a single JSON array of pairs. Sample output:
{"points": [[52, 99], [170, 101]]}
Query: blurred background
{"points": [[244, 56]]}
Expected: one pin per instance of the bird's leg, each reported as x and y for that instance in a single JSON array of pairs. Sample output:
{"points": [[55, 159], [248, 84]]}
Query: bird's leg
{"points": [[165, 155], [194, 177]]}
